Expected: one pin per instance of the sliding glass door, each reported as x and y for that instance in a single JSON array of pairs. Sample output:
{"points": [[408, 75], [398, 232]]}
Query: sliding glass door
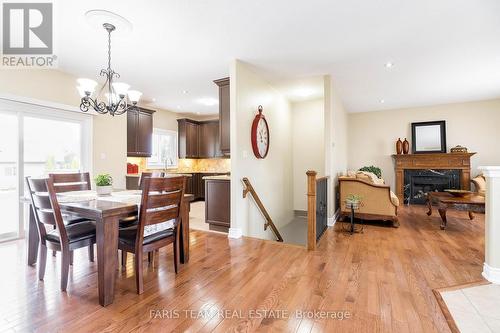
{"points": [[51, 146], [9, 174], [36, 142]]}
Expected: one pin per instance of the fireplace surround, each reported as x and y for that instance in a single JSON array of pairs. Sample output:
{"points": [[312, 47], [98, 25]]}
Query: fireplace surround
{"points": [[460, 162]]}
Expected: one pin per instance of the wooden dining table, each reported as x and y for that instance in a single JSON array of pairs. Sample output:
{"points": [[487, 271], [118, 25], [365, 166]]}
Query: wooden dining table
{"points": [[107, 214]]}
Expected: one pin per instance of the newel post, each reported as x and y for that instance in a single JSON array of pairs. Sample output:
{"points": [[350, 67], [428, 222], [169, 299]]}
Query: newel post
{"points": [[311, 210]]}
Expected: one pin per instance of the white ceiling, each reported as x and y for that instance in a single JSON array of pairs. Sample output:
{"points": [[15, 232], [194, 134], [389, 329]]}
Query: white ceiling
{"points": [[443, 51]]}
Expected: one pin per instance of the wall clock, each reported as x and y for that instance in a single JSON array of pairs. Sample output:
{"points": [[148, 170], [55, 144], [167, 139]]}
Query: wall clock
{"points": [[260, 135]]}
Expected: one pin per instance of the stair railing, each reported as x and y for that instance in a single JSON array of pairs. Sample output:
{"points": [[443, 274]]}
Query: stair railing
{"points": [[269, 222]]}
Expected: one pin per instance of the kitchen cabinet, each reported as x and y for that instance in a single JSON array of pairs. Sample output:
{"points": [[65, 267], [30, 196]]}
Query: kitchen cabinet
{"points": [[208, 134], [188, 138], [224, 115], [189, 185], [188, 132], [218, 204], [132, 182], [198, 139], [139, 132]]}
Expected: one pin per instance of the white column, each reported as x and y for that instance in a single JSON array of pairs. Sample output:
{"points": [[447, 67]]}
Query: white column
{"points": [[491, 268]]}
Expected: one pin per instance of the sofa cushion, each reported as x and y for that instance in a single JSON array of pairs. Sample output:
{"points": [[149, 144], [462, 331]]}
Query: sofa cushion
{"points": [[480, 184], [367, 176], [394, 199]]}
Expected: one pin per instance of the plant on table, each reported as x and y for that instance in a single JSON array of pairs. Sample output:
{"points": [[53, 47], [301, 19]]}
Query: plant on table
{"points": [[104, 184], [353, 200]]}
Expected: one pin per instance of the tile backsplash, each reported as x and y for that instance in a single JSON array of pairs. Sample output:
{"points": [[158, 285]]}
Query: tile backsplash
{"points": [[221, 165], [213, 164]]}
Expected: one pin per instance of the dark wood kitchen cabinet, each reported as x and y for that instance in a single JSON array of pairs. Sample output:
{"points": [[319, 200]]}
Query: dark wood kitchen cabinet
{"points": [[207, 139], [188, 138], [218, 204], [224, 115], [139, 132], [198, 139]]}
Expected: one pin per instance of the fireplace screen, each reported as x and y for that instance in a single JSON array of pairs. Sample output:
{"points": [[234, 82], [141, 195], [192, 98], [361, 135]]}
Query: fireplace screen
{"points": [[419, 182]]}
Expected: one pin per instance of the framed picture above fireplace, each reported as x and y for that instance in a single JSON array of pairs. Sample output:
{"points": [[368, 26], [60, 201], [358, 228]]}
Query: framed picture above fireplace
{"points": [[428, 137]]}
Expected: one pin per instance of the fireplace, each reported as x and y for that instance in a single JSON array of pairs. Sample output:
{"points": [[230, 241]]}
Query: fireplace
{"points": [[438, 163], [418, 182]]}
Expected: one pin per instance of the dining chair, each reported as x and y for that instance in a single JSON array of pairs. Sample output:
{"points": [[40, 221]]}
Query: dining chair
{"points": [[151, 174], [64, 238], [68, 182], [160, 202]]}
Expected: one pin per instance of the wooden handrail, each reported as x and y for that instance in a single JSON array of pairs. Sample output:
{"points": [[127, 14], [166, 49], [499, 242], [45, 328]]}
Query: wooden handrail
{"points": [[269, 222]]}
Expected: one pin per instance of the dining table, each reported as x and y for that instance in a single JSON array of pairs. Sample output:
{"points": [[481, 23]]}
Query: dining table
{"points": [[106, 211]]}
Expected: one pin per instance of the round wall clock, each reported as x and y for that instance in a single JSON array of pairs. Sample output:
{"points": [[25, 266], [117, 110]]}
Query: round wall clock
{"points": [[260, 135]]}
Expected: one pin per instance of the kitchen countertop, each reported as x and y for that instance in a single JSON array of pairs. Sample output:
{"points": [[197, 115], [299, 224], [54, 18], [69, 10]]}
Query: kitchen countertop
{"points": [[136, 175], [185, 173], [221, 177]]}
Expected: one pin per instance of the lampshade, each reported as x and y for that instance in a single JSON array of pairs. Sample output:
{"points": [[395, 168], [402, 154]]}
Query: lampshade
{"points": [[121, 88], [134, 96], [86, 85], [81, 91]]}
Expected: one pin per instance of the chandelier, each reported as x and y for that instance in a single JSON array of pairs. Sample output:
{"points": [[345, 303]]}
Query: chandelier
{"points": [[118, 97]]}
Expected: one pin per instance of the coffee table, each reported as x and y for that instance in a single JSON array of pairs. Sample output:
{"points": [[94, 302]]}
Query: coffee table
{"points": [[471, 203]]}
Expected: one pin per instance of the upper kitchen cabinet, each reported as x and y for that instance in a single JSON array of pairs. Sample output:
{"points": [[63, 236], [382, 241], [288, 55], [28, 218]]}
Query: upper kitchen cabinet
{"points": [[198, 139], [188, 138], [139, 132], [208, 135], [224, 137]]}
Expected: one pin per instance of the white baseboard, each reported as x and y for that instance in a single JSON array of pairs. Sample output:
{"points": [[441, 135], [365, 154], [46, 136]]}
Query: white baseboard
{"points": [[235, 233], [491, 274], [331, 220]]}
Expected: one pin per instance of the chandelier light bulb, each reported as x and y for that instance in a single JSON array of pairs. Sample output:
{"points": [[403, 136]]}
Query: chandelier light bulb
{"points": [[134, 96], [87, 86], [121, 88]]}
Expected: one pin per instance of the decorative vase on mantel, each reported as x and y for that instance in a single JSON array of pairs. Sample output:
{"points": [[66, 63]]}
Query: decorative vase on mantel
{"points": [[406, 147], [399, 146]]}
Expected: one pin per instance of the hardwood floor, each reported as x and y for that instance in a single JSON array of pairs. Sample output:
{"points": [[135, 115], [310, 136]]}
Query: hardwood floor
{"points": [[383, 278]]}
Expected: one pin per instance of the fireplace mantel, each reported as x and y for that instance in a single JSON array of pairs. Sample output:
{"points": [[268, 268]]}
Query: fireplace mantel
{"points": [[438, 161]]}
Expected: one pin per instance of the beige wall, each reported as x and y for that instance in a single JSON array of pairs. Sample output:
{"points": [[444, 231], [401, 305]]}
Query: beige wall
{"points": [[308, 143], [475, 125], [272, 176], [109, 133], [335, 140]]}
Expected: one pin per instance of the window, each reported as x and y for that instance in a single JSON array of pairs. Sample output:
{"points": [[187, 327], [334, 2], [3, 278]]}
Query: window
{"points": [[164, 149]]}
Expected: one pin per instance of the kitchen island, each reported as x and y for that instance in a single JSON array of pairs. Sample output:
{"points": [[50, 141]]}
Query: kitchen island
{"points": [[218, 202]]}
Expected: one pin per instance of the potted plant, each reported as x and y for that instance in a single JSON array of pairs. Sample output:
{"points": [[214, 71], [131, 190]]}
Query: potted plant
{"points": [[104, 184], [352, 201], [373, 169]]}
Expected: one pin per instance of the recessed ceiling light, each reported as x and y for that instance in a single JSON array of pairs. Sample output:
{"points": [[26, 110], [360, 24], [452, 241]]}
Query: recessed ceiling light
{"points": [[389, 64], [185, 92], [382, 101], [208, 101]]}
